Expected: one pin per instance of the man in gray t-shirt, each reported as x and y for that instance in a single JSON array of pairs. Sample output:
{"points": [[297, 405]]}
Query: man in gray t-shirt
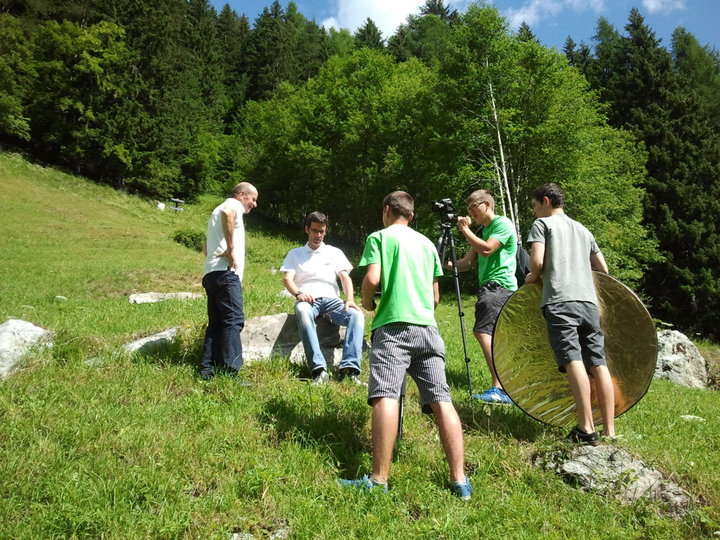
{"points": [[563, 254]]}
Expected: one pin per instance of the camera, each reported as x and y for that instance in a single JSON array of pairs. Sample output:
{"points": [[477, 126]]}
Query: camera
{"points": [[445, 209]]}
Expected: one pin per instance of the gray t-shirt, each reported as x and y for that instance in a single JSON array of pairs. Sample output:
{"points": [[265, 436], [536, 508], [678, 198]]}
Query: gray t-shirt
{"points": [[566, 273]]}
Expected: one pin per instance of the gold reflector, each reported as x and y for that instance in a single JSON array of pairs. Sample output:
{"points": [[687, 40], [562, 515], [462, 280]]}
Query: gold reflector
{"points": [[526, 366]]}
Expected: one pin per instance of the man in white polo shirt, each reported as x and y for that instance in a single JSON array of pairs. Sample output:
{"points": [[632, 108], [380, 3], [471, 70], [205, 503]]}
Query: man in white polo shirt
{"points": [[310, 275], [222, 280]]}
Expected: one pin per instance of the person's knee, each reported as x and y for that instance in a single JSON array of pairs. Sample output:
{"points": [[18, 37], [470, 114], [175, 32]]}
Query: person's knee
{"points": [[356, 317], [443, 409], [304, 312]]}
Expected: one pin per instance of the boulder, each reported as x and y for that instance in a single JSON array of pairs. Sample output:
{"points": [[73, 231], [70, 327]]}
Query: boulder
{"points": [[153, 297], [152, 343], [16, 339], [680, 361], [277, 335], [608, 470]]}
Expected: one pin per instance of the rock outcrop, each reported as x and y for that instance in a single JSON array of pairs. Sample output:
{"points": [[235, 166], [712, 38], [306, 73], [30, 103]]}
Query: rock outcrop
{"points": [[153, 297], [152, 343], [680, 361], [608, 470], [16, 339]]}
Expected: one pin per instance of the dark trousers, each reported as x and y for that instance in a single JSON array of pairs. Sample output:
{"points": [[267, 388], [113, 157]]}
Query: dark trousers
{"points": [[222, 350]]}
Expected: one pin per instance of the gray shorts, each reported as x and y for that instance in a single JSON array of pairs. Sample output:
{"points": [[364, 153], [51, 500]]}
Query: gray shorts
{"points": [[399, 348], [491, 299], [574, 333]]}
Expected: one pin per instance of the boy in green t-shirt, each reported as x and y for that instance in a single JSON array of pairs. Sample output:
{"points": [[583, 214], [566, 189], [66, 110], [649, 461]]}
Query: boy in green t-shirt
{"points": [[494, 251], [405, 339]]}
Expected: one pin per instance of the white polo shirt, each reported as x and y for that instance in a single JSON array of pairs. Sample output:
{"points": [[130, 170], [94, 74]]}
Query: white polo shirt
{"points": [[316, 270], [216, 243]]}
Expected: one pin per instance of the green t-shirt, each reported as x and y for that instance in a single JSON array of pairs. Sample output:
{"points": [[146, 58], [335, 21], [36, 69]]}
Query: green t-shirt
{"points": [[409, 264], [500, 266]]}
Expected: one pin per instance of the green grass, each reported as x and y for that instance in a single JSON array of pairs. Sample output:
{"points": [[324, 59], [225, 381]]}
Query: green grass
{"points": [[136, 447]]}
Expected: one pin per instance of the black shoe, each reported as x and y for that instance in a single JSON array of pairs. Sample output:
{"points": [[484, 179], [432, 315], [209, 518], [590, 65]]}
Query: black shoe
{"points": [[320, 378], [578, 436], [351, 376], [206, 374]]}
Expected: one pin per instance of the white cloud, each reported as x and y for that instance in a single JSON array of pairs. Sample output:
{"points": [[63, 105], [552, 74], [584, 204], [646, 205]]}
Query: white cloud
{"points": [[386, 14], [537, 10], [533, 12], [656, 6]]}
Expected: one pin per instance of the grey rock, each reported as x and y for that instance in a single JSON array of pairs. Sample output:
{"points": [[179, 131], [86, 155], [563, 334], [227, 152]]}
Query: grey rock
{"points": [[680, 361], [152, 343], [277, 335], [282, 533], [16, 339], [153, 297], [608, 470]]}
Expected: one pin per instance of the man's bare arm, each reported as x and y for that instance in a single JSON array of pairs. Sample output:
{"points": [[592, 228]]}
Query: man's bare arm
{"points": [[348, 289], [597, 262], [478, 244], [292, 288], [537, 259], [228, 216], [370, 283], [464, 264]]}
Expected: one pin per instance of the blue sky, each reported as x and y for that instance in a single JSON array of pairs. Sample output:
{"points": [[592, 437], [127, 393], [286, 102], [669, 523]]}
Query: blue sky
{"points": [[551, 20]]}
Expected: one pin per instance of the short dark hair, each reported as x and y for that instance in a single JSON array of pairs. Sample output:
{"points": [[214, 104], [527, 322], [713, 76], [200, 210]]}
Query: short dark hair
{"points": [[553, 192], [316, 217], [480, 196], [401, 204]]}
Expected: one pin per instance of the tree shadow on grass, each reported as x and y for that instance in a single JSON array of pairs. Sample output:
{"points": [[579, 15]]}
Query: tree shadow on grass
{"points": [[328, 422], [498, 419]]}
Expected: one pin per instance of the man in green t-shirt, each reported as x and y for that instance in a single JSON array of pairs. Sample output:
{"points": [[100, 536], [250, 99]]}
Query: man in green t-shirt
{"points": [[494, 251], [405, 339]]}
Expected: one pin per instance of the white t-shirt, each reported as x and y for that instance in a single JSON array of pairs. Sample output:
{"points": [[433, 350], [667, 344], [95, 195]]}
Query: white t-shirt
{"points": [[316, 270], [216, 243]]}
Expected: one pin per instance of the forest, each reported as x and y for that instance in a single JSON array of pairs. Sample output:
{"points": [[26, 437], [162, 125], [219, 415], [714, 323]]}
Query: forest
{"points": [[172, 98]]}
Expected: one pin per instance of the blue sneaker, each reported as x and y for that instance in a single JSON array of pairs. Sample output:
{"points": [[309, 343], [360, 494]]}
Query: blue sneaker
{"points": [[364, 483], [494, 396], [462, 490], [504, 398]]}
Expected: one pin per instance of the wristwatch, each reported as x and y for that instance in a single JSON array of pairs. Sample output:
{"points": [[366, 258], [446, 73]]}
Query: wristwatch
{"points": [[298, 294]]}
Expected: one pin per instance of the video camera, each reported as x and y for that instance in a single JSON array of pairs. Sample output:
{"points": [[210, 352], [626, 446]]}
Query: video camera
{"points": [[445, 209]]}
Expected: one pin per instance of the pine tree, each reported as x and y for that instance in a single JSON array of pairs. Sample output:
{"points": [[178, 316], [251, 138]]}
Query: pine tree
{"points": [[233, 36], [524, 33], [636, 76], [439, 9], [369, 35]]}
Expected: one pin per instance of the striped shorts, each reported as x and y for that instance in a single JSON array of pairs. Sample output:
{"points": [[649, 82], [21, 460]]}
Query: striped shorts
{"points": [[399, 348]]}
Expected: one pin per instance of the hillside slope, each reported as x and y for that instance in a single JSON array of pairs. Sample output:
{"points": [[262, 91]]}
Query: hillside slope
{"points": [[94, 443]]}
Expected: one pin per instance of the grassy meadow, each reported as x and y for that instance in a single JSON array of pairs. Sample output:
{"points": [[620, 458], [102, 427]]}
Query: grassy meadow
{"points": [[95, 443]]}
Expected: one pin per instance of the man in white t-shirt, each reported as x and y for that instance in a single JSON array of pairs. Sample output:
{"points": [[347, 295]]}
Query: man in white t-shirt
{"points": [[222, 280], [310, 275]]}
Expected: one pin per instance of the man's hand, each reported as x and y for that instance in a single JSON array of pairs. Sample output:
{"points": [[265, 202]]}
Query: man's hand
{"points": [[350, 304], [305, 298], [234, 262], [464, 223], [533, 278]]}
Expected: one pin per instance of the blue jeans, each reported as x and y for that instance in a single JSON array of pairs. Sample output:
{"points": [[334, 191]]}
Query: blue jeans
{"points": [[353, 319], [222, 350]]}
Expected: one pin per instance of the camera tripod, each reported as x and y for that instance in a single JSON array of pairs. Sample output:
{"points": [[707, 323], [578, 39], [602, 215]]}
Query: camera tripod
{"points": [[447, 239]]}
